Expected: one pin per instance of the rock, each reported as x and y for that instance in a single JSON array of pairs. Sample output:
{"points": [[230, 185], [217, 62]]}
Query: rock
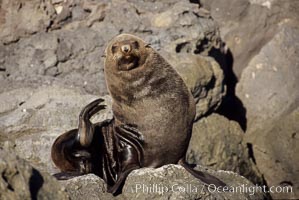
{"points": [[88, 186], [19, 180], [21, 18], [71, 54], [167, 182], [174, 182], [72, 58], [275, 148], [218, 144], [204, 78], [187, 30], [248, 25], [269, 87]]}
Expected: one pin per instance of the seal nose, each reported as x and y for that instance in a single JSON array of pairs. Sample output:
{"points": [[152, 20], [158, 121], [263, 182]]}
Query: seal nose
{"points": [[126, 48]]}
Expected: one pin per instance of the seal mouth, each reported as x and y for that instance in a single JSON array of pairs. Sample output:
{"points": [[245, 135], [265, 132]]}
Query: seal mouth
{"points": [[127, 63]]}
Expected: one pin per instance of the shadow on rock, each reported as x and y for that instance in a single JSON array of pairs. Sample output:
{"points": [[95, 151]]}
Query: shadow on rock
{"points": [[36, 182], [231, 107]]}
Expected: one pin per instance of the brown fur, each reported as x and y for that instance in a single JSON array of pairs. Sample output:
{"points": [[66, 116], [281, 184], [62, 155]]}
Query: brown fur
{"points": [[153, 97]]}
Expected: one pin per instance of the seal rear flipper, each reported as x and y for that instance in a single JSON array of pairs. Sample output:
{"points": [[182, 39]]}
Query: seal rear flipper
{"points": [[86, 127], [62, 150], [69, 156], [204, 177]]}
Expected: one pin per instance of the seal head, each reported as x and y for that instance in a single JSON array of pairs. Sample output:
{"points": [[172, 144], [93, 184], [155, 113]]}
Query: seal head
{"points": [[126, 53]]}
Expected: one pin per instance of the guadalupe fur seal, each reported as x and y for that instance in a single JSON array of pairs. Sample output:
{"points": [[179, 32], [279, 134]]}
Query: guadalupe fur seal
{"points": [[153, 116]]}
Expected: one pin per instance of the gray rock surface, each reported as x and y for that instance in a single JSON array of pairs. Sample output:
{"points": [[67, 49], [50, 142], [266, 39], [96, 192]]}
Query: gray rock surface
{"points": [[21, 18], [274, 71], [167, 182], [88, 187], [272, 110], [275, 147], [68, 51], [174, 182], [19, 180], [249, 24], [218, 143], [262, 36]]}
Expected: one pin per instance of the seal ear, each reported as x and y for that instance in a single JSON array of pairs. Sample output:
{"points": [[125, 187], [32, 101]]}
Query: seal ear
{"points": [[104, 54]]}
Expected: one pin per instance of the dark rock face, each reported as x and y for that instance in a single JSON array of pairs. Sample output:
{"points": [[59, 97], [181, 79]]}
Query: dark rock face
{"points": [[263, 38]]}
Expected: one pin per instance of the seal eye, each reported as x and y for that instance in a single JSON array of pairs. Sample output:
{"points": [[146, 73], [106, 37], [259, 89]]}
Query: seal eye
{"points": [[135, 45], [113, 49]]}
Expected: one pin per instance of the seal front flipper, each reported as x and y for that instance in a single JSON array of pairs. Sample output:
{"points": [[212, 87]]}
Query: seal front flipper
{"points": [[204, 177], [130, 154], [86, 128]]}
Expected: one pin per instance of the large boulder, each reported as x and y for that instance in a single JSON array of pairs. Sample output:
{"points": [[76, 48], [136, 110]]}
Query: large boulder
{"points": [[88, 186], [68, 52], [269, 86], [218, 143], [269, 90], [248, 25], [174, 182], [275, 148], [204, 78]]}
